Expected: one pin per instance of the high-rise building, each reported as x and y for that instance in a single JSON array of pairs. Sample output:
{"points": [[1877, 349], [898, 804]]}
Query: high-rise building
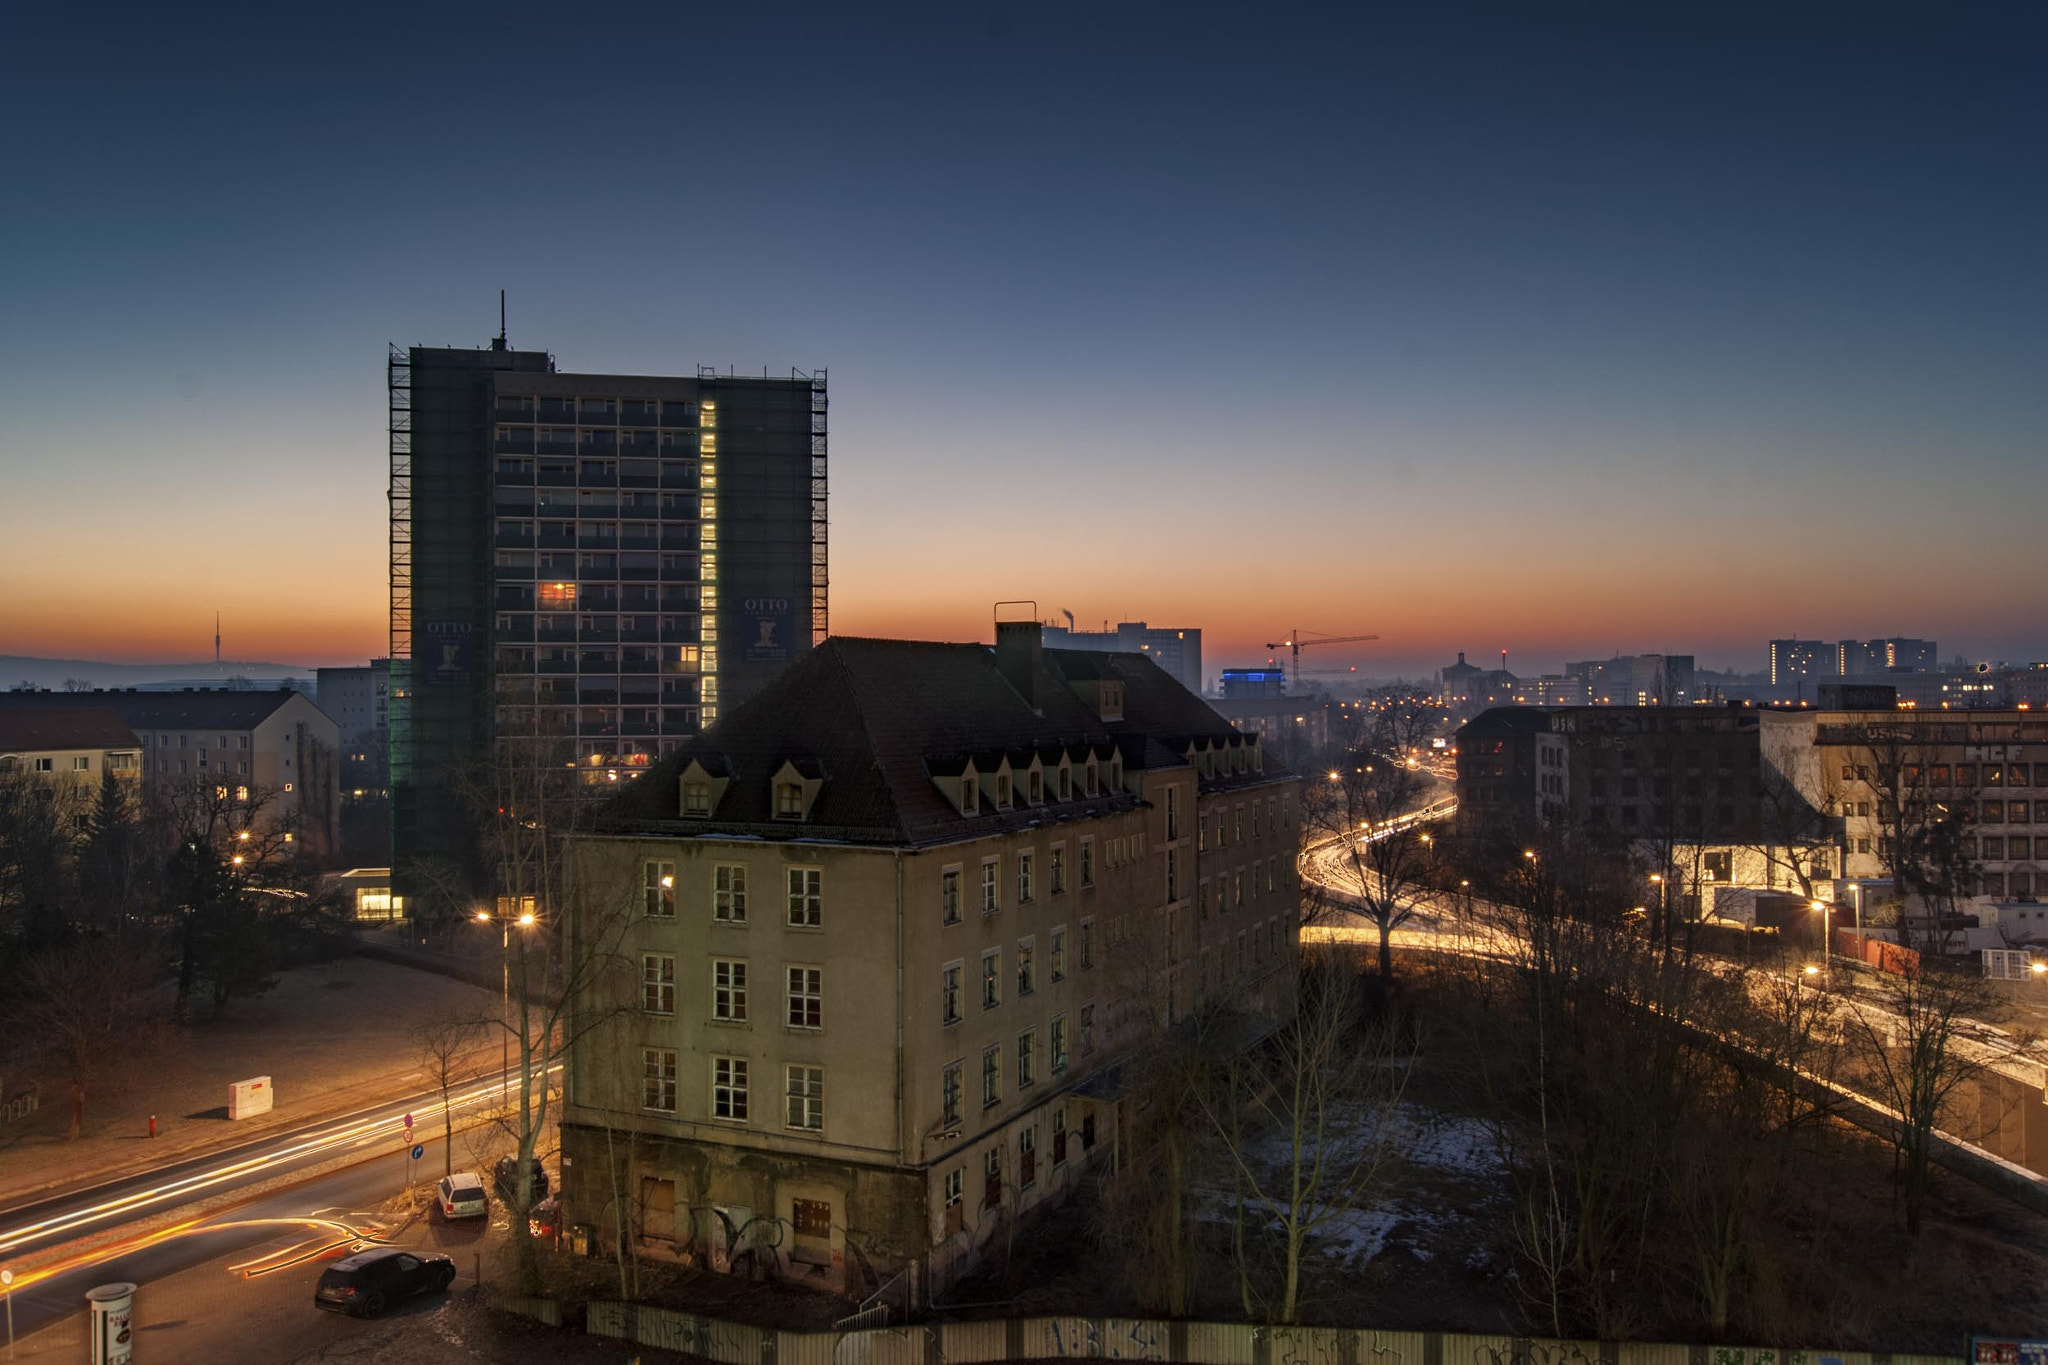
{"points": [[1893, 654], [1797, 660], [1177, 649], [595, 564]]}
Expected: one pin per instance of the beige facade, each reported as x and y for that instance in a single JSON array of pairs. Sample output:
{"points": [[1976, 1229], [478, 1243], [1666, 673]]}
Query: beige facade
{"points": [[847, 1059], [73, 751], [1993, 765]]}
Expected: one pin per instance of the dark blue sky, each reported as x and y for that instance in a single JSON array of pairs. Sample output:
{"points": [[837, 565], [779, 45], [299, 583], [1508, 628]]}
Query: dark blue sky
{"points": [[1555, 328]]}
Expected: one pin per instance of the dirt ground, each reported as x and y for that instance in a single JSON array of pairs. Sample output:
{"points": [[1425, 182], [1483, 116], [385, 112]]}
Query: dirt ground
{"points": [[330, 1036]]}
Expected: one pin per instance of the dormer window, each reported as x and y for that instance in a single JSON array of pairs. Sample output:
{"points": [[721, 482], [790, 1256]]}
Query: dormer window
{"points": [[1116, 772], [970, 799], [1088, 776], [1002, 791], [1066, 781], [697, 799], [1035, 787], [789, 801]]}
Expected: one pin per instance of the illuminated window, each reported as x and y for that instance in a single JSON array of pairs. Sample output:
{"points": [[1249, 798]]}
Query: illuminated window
{"points": [[557, 594], [696, 798], [658, 888], [789, 801]]}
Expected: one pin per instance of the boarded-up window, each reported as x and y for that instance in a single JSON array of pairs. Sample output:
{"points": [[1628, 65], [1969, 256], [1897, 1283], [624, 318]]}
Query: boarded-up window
{"points": [[812, 1244]]}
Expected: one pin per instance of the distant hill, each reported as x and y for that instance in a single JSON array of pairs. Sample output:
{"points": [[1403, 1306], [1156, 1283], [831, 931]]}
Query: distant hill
{"points": [[16, 669]]}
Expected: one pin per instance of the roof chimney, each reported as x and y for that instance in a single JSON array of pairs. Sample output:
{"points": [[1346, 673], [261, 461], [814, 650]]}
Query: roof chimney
{"points": [[1020, 654]]}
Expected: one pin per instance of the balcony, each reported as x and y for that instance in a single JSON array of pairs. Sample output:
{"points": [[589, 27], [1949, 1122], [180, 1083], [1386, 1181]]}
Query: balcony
{"points": [[598, 540], [509, 539], [644, 413], [685, 538], [555, 666], [515, 634], [559, 410], [551, 442], [598, 629], [681, 571], [597, 696], [677, 474], [605, 414], [556, 540], [650, 664], [639, 443], [557, 634], [598, 474], [512, 410], [679, 414], [678, 447], [515, 442], [598, 443], [555, 474]]}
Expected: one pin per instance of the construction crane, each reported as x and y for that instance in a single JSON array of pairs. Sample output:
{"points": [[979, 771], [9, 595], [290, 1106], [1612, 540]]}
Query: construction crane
{"points": [[1298, 640]]}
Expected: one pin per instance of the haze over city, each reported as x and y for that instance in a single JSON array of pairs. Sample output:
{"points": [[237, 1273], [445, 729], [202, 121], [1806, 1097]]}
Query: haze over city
{"points": [[1471, 328]]}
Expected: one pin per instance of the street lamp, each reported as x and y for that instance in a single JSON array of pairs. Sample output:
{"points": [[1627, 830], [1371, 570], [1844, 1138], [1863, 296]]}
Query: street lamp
{"points": [[1821, 908], [525, 919]]}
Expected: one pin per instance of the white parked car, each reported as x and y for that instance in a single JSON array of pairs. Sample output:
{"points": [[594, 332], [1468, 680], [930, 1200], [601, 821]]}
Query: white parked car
{"points": [[462, 1196]]}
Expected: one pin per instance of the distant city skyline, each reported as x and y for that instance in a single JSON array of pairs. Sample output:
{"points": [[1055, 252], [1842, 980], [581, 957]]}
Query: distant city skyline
{"points": [[1567, 332]]}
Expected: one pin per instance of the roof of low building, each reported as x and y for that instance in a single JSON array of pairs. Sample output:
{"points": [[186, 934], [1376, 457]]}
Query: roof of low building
{"points": [[882, 718], [193, 709], [37, 729]]}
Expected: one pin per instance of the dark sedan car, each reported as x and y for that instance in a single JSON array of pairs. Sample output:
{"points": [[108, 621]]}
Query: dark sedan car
{"points": [[505, 1176], [368, 1282]]}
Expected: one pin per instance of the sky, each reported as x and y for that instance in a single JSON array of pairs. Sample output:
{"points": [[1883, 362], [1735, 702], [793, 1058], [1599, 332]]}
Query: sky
{"points": [[1563, 329]]}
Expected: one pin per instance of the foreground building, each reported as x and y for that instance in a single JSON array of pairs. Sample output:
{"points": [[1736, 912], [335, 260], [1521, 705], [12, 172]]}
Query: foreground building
{"points": [[886, 932], [590, 566]]}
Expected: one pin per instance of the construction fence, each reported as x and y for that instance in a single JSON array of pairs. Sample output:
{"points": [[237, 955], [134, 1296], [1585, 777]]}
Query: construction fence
{"points": [[1198, 1343]]}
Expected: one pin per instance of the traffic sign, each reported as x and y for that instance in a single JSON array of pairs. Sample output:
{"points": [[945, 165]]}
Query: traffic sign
{"points": [[418, 1151], [408, 1120]]}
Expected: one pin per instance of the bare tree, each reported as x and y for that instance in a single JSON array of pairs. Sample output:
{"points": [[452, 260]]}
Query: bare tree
{"points": [[88, 1004], [566, 975], [1305, 1123], [1367, 807], [1917, 1047], [443, 1045]]}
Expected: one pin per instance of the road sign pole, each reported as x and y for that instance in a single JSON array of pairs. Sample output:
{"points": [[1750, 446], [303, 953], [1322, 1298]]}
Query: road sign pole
{"points": [[7, 1293]]}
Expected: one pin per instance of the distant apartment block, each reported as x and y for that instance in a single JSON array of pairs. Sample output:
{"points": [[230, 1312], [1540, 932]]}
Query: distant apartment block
{"points": [[72, 747], [272, 748], [1795, 661], [1177, 649], [586, 569], [1896, 654]]}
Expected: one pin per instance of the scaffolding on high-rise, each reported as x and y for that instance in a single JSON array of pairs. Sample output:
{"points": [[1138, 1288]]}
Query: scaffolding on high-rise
{"points": [[820, 623], [398, 386]]}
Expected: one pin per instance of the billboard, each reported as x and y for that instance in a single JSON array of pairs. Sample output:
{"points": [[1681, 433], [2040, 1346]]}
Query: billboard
{"points": [[768, 625], [444, 653]]}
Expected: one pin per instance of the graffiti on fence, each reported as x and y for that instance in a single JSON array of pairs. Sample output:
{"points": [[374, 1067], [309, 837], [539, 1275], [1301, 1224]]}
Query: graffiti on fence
{"points": [[1301, 1346], [1738, 1355], [1378, 1348], [1534, 1353], [1107, 1339]]}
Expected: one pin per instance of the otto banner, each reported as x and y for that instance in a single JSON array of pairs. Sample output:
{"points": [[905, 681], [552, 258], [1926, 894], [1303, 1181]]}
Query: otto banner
{"points": [[445, 650], [767, 626]]}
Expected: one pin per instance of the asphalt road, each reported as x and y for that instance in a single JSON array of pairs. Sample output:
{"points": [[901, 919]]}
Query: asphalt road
{"points": [[268, 1233]]}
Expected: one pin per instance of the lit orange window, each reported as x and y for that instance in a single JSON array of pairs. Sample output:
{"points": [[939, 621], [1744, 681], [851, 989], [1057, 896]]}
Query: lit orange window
{"points": [[558, 594]]}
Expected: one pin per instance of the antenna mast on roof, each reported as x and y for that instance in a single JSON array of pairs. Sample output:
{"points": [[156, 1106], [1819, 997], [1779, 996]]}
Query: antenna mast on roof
{"points": [[216, 642], [500, 343]]}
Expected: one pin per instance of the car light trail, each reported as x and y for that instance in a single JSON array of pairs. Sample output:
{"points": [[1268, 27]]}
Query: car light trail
{"points": [[332, 1140]]}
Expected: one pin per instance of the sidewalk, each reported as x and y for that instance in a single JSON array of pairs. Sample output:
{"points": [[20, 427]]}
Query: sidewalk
{"points": [[333, 1038]]}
